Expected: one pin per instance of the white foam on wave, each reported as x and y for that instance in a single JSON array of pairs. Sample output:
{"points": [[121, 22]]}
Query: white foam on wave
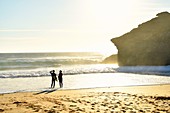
{"points": [[67, 70], [87, 69]]}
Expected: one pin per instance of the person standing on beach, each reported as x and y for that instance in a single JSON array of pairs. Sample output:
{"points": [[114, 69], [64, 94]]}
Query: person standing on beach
{"points": [[60, 78], [53, 76]]}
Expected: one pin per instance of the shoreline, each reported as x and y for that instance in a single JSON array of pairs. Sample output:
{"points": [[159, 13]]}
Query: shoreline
{"points": [[81, 81], [91, 88], [109, 99]]}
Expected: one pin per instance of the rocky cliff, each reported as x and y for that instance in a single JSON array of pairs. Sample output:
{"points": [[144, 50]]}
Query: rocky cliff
{"points": [[149, 44], [111, 59]]}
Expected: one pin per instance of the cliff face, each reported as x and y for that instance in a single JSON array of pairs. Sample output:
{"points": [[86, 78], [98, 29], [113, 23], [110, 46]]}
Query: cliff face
{"points": [[149, 44]]}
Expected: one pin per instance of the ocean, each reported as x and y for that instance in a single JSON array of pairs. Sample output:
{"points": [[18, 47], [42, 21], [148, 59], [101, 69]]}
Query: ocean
{"points": [[14, 65], [21, 72]]}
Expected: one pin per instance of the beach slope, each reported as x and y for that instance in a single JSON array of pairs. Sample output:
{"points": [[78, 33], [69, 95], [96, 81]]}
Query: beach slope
{"points": [[134, 99]]}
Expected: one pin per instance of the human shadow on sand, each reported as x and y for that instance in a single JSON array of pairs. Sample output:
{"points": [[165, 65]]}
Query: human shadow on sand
{"points": [[46, 91]]}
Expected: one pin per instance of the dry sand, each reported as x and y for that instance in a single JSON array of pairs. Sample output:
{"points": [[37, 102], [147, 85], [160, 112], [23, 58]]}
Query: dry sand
{"points": [[134, 99]]}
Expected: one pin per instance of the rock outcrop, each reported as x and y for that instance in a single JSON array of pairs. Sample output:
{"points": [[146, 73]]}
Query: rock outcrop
{"points": [[111, 59], [149, 44]]}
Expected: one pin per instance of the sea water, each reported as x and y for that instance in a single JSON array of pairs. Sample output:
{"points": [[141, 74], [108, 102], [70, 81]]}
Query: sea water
{"points": [[20, 72], [14, 65]]}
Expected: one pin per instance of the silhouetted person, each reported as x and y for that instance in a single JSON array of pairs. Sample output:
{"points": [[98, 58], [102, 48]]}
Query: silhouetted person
{"points": [[53, 76], [60, 78]]}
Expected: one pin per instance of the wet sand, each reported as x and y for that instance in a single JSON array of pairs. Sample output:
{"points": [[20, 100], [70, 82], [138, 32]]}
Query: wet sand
{"points": [[134, 99]]}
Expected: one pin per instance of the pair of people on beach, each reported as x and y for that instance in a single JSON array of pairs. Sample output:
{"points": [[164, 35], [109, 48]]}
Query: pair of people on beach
{"points": [[54, 78]]}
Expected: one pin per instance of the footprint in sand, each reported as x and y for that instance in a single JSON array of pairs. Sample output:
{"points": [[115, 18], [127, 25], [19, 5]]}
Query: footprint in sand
{"points": [[1, 110]]}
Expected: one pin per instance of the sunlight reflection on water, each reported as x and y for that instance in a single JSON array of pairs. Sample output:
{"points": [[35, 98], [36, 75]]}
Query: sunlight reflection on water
{"points": [[81, 81]]}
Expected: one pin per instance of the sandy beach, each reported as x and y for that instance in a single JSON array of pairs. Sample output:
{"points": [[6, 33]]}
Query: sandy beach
{"points": [[134, 99]]}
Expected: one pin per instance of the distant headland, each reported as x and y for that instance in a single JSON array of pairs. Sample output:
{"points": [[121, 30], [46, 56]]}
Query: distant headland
{"points": [[148, 45]]}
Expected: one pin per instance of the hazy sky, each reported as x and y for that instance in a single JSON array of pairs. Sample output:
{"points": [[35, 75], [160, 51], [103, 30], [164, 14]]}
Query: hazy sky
{"points": [[71, 25]]}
